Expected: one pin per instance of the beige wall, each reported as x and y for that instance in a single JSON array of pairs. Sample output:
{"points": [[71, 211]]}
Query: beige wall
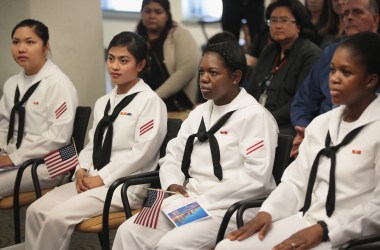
{"points": [[76, 39]]}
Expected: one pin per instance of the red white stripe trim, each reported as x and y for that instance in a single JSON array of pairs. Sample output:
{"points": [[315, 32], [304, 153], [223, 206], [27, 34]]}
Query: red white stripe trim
{"points": [[255, 147], [60, 110], [146, 127]]}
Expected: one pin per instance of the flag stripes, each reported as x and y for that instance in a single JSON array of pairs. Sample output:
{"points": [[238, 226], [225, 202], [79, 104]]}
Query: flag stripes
{"points": [[61, 161], [149, 214]]}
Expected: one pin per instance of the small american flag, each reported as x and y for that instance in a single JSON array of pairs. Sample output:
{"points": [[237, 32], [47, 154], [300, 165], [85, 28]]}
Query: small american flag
{"points": [[60, 110], [148, 215], [61, 160]]}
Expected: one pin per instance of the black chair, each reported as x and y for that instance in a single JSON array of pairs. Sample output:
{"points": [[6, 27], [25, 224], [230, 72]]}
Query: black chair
{"points": [[103, 223], [281, 161], [371, 242], [15, 201]]}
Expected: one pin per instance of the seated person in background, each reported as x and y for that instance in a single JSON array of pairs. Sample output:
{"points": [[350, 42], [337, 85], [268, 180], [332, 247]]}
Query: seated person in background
{"points": [[333, 30], [37, 108], [283, 64], [230, 162], [313, 97], [128, 129], [174, 56], [318, 11], [335, 180]]}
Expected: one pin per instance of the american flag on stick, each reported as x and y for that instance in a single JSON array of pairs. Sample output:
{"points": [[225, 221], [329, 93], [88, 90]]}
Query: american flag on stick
{"points": [[61, 161], [148, 215]]}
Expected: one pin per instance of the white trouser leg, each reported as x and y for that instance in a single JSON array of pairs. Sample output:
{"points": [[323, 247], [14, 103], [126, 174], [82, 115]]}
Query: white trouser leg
{"points": [[8, 178], [197, 235], [51, 220]]}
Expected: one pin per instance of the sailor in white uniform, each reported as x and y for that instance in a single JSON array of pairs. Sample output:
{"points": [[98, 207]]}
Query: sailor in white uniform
{"points": [[49, 100], [246, 140], [337, 185], [129, 127]]}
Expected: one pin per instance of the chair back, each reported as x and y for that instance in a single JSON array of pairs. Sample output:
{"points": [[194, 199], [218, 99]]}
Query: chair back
{"points": [[172, 130], [173, 127], [82, 116], [282, 157]]}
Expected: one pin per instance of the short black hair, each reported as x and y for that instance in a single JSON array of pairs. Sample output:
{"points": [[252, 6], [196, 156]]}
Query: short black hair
{"points": [[307, 28], [41, 30], [232, 55], [135, 44], [365, 49]]}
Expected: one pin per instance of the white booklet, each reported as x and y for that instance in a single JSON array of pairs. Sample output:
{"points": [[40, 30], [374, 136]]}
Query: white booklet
{"points": [[181, 210]]}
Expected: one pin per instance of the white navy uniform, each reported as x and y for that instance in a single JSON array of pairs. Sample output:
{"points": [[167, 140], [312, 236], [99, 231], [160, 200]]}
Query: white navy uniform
{"points": [[46, 128], [247, 173], [51, 220], [357, 204]]}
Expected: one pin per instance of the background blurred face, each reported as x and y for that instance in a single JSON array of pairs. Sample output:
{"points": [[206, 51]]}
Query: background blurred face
{"points": [[348, 79], [338, 6], [315, 5], [283, 28], [122, 67], [216, 81], [357, 17], [154, 17], [28, 50]]}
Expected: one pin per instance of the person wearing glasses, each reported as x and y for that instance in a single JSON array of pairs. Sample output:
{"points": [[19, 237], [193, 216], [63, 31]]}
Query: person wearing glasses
{"points": [[284, 63]]}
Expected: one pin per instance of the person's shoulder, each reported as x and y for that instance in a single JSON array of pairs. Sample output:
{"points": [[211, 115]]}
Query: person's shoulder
{"points": [[330, 49], [54, 75], [306, 43], [13, 80], [321, 120]]}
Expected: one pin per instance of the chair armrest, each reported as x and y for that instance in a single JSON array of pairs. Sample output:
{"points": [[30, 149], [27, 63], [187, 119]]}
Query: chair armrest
{"points": [[366, 242], [108, 200], [244, 206], [133, 182], [36, 182], [16, 197], [240, 205]]}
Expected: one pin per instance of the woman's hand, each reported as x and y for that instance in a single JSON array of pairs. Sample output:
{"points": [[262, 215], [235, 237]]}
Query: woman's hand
{"points": [[300, 134], [5, 161], [261, 223], [79, 177], [304, 239], [178, 189], [93, 181]]}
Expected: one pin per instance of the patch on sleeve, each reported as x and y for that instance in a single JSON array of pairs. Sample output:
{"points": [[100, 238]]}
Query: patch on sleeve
{"points": [[146, 127], [61, 110], [256, 146], [356, 151]]}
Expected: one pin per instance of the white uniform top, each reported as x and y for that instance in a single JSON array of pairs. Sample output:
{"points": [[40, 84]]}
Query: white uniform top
{"points": [[357, 204], [134, 148], [247, 143], [46, 129]]}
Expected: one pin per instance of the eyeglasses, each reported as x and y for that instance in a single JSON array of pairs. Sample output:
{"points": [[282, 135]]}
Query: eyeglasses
{"points": [[282, 21]]}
